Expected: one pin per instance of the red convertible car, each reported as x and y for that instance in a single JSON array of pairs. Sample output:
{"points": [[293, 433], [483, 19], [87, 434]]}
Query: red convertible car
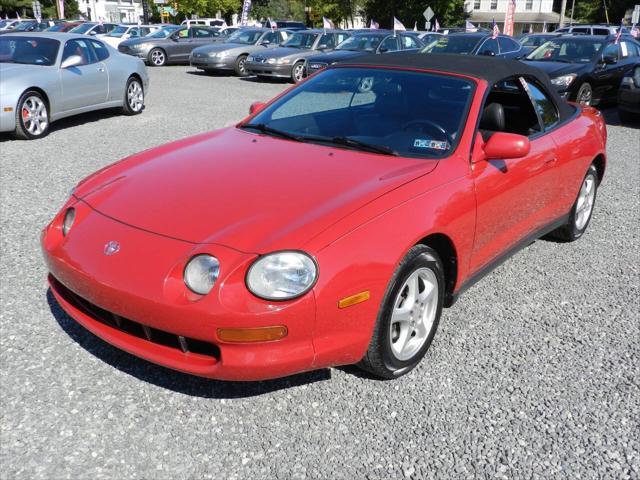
{"points": [[332, 225]]}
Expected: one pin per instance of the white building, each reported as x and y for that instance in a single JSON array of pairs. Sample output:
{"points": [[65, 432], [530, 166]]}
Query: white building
{"points": [[114, 11], [529, 14]]}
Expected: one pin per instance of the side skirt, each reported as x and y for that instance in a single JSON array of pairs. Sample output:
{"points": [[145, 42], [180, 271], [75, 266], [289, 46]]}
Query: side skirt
{"points": [[487, 269]]}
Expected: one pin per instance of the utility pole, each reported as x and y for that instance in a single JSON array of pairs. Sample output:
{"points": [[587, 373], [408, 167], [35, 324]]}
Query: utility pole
{"points": [[563, 9]]}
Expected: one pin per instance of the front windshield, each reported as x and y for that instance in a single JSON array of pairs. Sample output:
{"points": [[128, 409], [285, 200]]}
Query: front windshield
{"points": [[301, 40], [4, 23], [58, 27], [361, 43], [163, 32], [386, 111], [28, 50], [21, 27], [117, 32], [84, 28], [452, 44], [245, 37], [568, 50]]}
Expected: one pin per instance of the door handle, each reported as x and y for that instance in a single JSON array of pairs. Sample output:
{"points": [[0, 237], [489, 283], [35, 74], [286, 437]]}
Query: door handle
{"points": [[100, 69], [552, 160]]}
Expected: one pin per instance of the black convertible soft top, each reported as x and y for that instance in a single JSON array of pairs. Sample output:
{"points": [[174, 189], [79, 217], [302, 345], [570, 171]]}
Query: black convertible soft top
{"points": [[487, 68]]}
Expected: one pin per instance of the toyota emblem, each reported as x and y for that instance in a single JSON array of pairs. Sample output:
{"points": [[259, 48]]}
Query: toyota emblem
{"points": [[111, 248]]}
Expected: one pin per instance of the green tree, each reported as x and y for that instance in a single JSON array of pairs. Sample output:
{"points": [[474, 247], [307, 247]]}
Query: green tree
{"points": [[448, 12], [48, 7], [208, 8]]}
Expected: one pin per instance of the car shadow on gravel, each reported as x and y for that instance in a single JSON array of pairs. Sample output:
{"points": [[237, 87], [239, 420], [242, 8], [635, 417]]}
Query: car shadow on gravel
{"points": [[170, 379], [612, 118]]}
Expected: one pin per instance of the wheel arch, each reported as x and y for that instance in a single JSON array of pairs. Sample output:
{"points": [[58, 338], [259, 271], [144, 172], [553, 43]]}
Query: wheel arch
{"points": [[42, 92], [446, 250], [600, 163]]}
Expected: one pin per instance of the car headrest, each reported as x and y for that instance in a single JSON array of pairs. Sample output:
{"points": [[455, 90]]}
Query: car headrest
{"points": [[492, 118]]}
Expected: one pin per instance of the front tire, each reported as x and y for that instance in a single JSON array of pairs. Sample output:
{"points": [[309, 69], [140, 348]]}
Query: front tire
{"points": [[409, 315], [584, 95], [297, 72], [157, 57], [32, 116], [133, 97], [582, 210], [240, 68]]}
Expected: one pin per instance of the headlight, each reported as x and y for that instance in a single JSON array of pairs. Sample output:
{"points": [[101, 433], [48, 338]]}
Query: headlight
{"points": [[282, 275], [249, 58], [283, 60], [67, 223], [272, 60], [217, 54], [564, 80], [201, 273]]}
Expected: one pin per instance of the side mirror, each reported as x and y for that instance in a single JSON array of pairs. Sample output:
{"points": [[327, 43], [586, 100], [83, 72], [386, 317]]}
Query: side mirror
{"points": [[507, 145], [609, 59], [265, 43], [93, 33], [323, 46], [383, 50], [72, 61], [256, 107]]}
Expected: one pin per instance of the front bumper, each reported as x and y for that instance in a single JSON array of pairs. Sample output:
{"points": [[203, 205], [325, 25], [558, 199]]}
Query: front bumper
{"points": [[212, 63], [269, 70], [136, 300]]}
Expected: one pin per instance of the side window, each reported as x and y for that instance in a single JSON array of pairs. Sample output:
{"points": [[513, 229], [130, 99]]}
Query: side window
{"points": [[581, 31], [512, 110], [328, 40], [408, 42], [389, 44], [272, 38], [100, 50], [507, 45], [611, 50], [202, 33], [628, 49], [183, 33], [600, 31], [543, 104], [341, 37], [80, 48], [489, 45]]}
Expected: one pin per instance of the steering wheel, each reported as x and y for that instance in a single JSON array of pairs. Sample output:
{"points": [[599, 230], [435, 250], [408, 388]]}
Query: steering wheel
{"points": [[430, 124]]}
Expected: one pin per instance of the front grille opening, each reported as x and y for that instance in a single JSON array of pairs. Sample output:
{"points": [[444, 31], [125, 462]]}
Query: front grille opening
{"points": [[184, 344]]}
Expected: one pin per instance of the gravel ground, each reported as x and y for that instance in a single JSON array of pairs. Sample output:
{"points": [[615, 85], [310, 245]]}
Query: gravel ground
{"points": [[534, 372]]}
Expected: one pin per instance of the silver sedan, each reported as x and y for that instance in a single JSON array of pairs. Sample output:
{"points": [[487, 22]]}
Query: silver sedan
{"points": [[46, 77]]}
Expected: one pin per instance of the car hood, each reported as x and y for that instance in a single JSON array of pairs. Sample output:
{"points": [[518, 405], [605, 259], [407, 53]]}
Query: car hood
{"points": [[250, 192], [557, 69], [335, 56], [17, 71], [282, 52]]}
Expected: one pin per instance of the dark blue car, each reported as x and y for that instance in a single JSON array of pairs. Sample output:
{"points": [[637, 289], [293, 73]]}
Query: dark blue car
{"points": [[480, 43]]}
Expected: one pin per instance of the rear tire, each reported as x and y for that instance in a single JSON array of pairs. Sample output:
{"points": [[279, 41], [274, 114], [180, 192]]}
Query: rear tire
{"points": [[409, 315], [32, 116], [157, 57], [133, 97], [239, 67], [582, 210]]}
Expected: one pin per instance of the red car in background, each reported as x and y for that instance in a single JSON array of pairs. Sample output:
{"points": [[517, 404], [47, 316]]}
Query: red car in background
{"points": [[333, 224]]}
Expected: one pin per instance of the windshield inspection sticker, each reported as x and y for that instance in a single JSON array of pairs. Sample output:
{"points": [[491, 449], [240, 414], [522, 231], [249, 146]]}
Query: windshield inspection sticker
{"points": [[433, 144]]}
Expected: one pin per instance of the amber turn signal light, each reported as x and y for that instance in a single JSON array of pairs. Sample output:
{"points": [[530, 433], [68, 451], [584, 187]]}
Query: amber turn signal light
{"points": [[250, 335], [354, 299]]}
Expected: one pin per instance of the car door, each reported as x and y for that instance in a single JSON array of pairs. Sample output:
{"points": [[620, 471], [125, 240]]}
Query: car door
{"points": [[513, 195], [179, 46], [608, 72], [101, 53], [85, 84], [202, 36]]}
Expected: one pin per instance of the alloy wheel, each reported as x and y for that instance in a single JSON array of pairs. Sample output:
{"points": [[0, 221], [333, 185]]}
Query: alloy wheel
{"points": [[34, 115], [413, 314], [585, 95], [298, 72], [586, 199], [135, 96], [157, 58]]}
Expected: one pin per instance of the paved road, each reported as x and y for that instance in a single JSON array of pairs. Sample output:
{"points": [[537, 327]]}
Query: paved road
{"points": [[535, 372]]}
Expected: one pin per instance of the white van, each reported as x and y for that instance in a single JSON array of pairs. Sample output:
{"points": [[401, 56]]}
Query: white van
{"points": [[207, 22]]}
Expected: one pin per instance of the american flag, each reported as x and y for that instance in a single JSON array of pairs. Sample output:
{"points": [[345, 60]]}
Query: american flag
{"points": [[374, 25], [436, 26], [495, 31], [619, 33], [635, 33]]}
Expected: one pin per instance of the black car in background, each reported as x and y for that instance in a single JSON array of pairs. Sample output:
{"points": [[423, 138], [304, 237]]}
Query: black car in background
{"points": [[629, 96], [285, 24], [373, 41], [479, 43], [533, 40], [586, 69]]}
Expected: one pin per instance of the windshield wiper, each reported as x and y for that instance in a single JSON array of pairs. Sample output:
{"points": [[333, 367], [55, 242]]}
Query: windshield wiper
{"points": [[351, 142], [261, 127]]}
